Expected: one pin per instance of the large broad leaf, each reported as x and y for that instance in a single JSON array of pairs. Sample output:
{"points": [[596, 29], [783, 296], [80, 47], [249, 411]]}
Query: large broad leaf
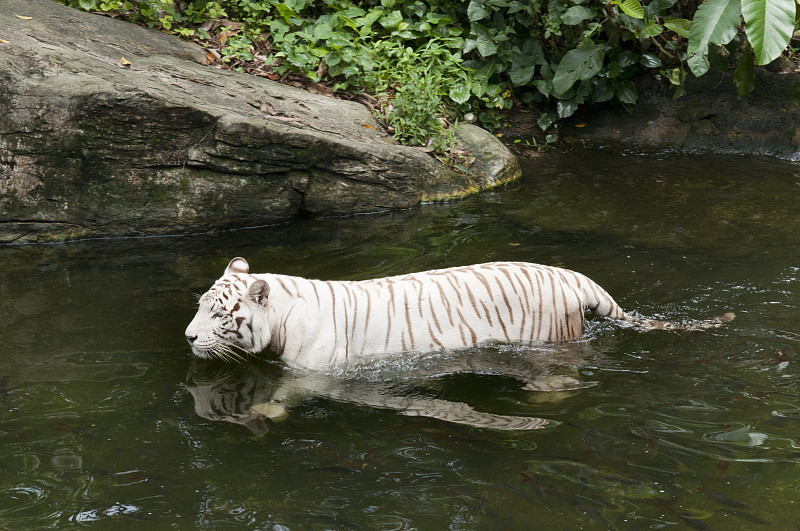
{"points": [[583, 62], [715, 21], [576, 14], [650, 29], [649, 60], [566, 108], [632, 8], [460, 92], [481, 39], [603, 91], [521, 75], [626, 92], [392, 20], [744, 77], [476, 10], [769, 26], [681, 26]]}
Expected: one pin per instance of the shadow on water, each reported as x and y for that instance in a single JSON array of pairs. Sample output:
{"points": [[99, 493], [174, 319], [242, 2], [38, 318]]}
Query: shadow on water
{"points": [[105, 419]]}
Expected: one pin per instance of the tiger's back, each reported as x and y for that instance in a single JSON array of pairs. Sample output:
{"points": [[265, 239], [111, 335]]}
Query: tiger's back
{"points": [[512, 302]]}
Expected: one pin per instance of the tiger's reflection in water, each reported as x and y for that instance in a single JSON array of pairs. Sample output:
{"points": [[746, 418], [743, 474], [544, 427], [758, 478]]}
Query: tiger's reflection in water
{"points": [[254, 394]]}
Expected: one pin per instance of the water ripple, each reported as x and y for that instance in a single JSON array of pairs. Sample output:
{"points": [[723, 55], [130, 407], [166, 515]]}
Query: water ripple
{"points": [[21, 498]]}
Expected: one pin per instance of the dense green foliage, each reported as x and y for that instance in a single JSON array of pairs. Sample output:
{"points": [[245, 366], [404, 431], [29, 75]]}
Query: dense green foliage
{"points": [[431, 62], [768, 27]]}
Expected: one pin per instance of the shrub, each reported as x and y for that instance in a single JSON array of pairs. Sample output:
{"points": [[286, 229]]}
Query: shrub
{"points": [[442, 58]]}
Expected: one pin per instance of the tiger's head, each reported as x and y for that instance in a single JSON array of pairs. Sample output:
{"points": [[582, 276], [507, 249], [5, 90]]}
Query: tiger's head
{"points": [[232, 316]]}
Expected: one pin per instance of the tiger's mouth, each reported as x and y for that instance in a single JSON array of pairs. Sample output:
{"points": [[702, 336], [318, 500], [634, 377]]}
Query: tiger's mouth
{"points": [[219, 352]]}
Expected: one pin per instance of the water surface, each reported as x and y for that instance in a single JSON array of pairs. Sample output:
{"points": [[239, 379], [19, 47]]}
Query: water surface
{"points": [[105, 420]]}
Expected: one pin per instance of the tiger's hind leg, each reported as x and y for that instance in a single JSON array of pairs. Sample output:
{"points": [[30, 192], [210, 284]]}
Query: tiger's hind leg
{"points": [[556, 382], [383, 396], [551, 368]]}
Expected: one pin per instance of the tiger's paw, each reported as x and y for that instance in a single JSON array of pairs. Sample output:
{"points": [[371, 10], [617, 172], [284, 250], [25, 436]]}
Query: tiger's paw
{"points": [[272, 410], [552, 383]]}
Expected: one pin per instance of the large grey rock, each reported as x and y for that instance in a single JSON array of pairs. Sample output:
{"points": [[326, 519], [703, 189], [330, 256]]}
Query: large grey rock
{"points": [[91, 147]]}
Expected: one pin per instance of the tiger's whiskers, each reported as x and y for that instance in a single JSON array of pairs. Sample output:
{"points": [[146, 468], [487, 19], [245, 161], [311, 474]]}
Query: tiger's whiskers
{"points": [[225, 352]]}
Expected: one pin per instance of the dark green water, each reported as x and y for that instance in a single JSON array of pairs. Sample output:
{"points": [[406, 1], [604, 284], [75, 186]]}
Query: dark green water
{"points": [[99, 423]]}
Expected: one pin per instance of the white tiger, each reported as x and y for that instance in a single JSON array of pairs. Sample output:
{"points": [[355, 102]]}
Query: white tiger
{"points": [[316, 324]]}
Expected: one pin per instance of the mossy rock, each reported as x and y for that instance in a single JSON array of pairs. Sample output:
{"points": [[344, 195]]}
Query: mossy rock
{"points": [[167, 145]]}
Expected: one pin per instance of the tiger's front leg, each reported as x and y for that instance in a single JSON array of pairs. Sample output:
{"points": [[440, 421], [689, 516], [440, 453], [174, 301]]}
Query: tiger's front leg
{"points": [[304, 339]]}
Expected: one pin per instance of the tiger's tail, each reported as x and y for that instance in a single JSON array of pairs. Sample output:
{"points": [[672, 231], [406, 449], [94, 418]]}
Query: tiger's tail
{"points": [[602, 304], [653, 324]]}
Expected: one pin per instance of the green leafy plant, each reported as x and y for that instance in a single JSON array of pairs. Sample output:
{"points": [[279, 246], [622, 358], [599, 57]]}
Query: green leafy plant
{"points": [[768, 27], [153, 13], [415, 112], [428, 63]]}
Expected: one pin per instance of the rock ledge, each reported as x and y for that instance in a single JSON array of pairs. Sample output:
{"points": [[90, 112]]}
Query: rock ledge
{"points": [[90, 147]]}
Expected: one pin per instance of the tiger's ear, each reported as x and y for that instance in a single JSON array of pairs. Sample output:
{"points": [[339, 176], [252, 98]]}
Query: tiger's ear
{"points": [[238, 265], [258, 292]]}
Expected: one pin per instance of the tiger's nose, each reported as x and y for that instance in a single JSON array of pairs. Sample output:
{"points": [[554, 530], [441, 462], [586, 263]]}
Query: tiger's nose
{"points": [[191, 339]]}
